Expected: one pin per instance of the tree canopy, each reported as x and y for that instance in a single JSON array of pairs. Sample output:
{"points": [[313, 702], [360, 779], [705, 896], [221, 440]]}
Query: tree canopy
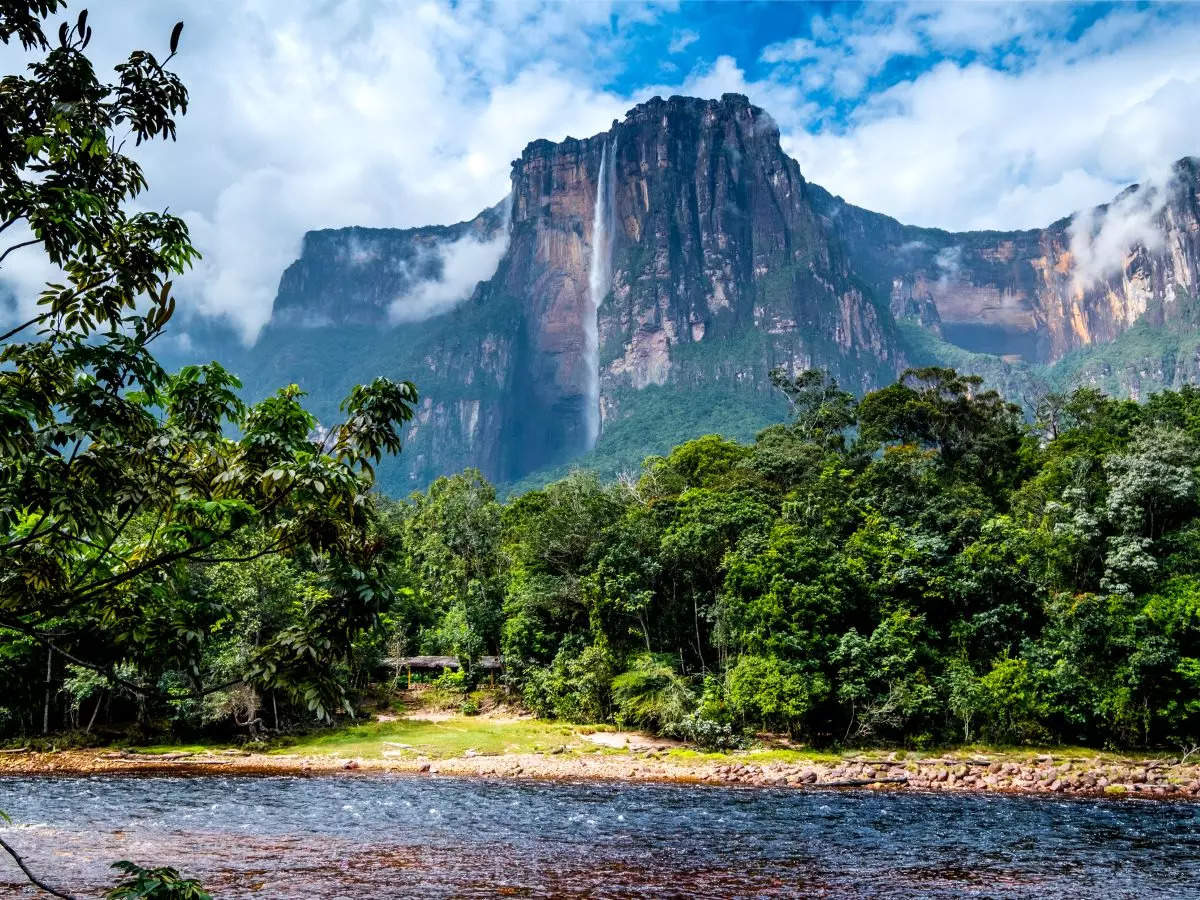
{"points": [[121, 485]]}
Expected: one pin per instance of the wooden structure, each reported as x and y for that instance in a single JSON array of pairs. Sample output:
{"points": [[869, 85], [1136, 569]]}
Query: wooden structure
{"points": [[489, 664]]}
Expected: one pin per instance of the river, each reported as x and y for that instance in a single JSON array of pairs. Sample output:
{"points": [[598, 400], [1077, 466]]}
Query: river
{"points": [[382, 836]]}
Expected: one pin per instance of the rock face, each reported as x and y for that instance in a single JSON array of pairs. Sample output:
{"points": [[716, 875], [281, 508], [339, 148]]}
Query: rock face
{"points": [[714, 244], [354, 276], [1039, 295], [722, 262], [717, 242]]}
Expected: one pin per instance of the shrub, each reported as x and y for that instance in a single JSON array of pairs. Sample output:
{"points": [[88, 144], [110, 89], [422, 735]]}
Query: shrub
{"points": [[708, 733], [453, 680], [773, 692], [652, 694], [577, 686]]}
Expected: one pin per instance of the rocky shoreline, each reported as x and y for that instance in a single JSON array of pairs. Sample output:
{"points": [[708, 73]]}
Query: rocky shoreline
{"points": [[1001, 773]]}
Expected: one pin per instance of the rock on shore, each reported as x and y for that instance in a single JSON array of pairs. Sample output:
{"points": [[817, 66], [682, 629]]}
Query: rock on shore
{"points": [[1011, 773]]}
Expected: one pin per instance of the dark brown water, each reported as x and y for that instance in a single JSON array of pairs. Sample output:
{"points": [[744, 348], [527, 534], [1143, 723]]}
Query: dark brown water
{"points": [[444, 837]]}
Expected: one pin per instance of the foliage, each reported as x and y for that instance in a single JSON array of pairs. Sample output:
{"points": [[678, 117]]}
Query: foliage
{"points": [[121, 489], [918, 566], [162, 883], [651, 694]]}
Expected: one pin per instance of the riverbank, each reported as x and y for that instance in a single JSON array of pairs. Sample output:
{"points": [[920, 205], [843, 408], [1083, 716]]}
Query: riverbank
{"points": [[528, 748]]}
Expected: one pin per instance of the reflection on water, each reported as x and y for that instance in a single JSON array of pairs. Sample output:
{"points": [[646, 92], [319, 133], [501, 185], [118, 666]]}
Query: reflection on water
{"points": [[430, 837]]}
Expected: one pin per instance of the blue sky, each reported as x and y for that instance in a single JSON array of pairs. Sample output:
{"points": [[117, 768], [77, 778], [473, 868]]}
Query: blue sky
{"points": [[337, 112], [693, 33]]}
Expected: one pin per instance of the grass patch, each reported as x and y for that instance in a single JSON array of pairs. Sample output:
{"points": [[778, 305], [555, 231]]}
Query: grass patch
{"points": [[760, 756], [159, 749], [438, 739], [800, 756]]}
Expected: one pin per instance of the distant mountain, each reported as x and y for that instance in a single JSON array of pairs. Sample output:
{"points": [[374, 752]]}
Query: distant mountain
{"points": [[637, 286]]}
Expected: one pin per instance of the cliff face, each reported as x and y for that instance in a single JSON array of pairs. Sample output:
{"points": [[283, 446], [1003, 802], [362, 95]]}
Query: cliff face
{"points": [[716, 242], [364, 276], [643, 282], [713, 242], [1038, 295]]}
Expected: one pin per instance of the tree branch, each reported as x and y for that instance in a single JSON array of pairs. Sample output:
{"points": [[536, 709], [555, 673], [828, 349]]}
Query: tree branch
{"points": [[37, 882], [174, 556], [11, 221], [28, 243], [108, 672], [20, 328]]}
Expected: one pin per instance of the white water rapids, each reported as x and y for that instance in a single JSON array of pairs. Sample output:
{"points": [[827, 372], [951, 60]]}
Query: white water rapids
{"points": [[599, 281]]}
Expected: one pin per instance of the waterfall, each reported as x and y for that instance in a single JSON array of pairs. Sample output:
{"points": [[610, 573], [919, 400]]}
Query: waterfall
{"points": [[599, 281]]}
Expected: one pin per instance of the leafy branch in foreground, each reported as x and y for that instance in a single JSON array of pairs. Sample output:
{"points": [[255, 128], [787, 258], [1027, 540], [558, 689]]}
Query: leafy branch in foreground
{"points": [[117, 476], [117, 480], [24, 867], [163, 883]]}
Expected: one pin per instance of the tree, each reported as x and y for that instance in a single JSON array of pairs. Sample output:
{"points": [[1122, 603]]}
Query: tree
{"points": [[971, 429], [114, 475], [450, 539], [821, 411], [881, 678], [1151, 487]]}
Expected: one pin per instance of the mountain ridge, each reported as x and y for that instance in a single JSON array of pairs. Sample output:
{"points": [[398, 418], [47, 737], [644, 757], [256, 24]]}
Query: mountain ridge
{"points": [[723, 262]]}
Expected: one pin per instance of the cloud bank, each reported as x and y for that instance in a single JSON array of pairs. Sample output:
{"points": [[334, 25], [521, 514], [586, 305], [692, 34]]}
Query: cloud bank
{"points": [[322, 115], [1100, 239], [463, 263]]}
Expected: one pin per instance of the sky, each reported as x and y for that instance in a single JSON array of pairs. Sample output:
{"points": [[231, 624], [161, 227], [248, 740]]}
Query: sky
{"points": [[309, 114]]}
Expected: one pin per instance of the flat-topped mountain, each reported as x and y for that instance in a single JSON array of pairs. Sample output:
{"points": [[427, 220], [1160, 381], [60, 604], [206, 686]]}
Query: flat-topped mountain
{"points": [[638, 285]]}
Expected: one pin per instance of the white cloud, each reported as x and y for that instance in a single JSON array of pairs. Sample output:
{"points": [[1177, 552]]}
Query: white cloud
{"points": [[844, 53], [967, 145], [1102, 238], [464, 263], [681, 40], [352, 113]]}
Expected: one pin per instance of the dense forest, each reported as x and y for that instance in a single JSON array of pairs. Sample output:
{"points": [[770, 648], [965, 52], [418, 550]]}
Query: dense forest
{"points": [[918, 567], [915, 567]]}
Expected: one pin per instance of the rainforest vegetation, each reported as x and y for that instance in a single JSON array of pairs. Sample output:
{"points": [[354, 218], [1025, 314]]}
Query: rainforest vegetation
{"points": [[919, 566]]}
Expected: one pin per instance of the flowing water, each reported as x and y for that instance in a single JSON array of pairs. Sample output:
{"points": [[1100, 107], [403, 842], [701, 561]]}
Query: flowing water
{"points": [[599, 281], [381, 836]]}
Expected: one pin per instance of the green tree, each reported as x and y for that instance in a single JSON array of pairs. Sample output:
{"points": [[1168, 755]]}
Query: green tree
{"points": [[882, 680], [821, 411], [115, 477], [450, 556], [972, 430]]}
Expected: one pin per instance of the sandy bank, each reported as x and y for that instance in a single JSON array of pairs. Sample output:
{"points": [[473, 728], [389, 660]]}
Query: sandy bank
{"points": [[1000, 773]]}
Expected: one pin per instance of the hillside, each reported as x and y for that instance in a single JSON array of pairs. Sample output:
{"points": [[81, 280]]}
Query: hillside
{"points": [[637, 286]]}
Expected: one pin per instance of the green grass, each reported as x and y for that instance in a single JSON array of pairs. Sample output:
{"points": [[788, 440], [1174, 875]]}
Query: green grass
{"points": [[440, 739], [452, 737], [789, 756], [158, 749]]}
